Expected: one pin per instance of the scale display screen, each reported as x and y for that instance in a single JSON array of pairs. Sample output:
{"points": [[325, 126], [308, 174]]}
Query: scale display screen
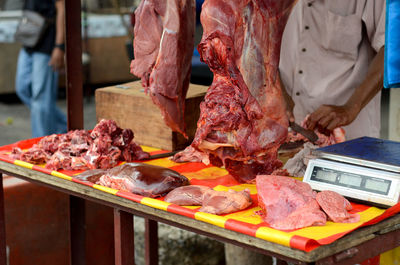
{"points": [[350, 180]]}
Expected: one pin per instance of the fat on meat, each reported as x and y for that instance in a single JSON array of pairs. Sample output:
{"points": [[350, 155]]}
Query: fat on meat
{"points": [[146, 180], [224, 202], [187, 195], [336, 207], [242, 118], [163, 47]]}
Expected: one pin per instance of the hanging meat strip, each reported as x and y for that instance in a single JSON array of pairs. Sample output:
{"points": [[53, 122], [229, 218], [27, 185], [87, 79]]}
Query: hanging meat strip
{"points": [[163, 48], [243, 121]]}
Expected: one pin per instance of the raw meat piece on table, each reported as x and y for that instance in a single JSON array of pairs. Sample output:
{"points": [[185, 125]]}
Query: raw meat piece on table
{"points": [[287, 203], [243, 121], [187, 195], [163, 49], [146, 180], [224, 202], [308, 215], [336, 207]]}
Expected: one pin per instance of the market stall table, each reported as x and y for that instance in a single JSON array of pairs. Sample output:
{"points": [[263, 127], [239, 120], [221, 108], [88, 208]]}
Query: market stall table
{"points": [[337, 247]]}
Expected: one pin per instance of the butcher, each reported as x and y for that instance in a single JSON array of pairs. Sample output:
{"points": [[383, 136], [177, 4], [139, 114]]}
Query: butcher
{"points": [[331, 64]]}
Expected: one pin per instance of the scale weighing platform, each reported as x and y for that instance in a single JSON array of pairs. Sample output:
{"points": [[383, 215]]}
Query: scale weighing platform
{"points": [[364, 169]]}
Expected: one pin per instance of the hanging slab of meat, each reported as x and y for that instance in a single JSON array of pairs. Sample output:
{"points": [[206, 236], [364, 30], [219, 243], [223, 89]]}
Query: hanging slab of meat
{"points": [[243, 121], [187, 195], [146, 180], [163, 48], [336, 207], [224, 202], [283, 200]]}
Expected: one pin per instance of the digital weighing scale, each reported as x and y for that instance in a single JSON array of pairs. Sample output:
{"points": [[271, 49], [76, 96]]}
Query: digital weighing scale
{"points": [[364, 169]]}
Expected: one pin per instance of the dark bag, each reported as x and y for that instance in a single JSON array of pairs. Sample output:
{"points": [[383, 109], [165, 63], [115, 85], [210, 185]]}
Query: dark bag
{"points": [[31, 28]]}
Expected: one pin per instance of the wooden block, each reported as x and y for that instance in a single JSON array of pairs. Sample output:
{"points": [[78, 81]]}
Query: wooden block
{"points": [[130, 107]]}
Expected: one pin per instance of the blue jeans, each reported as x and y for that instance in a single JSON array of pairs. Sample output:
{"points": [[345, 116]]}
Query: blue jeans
{"points": [[37, 86]]}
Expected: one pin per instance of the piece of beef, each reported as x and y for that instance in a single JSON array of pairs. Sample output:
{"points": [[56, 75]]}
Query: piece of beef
{"points": [[92, 175], [243, 121], [191, 155], [16, 153], [35, 155], [308, 215], [187, 195], [224, 202], [146, 180], [163, 47], [280, 196], [336, 207], [134, 152]]}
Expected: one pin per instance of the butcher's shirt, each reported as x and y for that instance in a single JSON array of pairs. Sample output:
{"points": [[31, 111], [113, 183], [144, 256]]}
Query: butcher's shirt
{"points": [[327, 47]]}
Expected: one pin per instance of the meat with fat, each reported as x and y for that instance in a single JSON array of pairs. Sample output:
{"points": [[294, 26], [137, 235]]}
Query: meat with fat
{"points": [[187, 195], [243, 121], [146, 180], [224, 202], [163, 48], [336, 207]]}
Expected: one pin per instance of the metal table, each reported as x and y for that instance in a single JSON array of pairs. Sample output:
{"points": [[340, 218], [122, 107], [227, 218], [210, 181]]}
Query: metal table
{"points": [[357, 246]]}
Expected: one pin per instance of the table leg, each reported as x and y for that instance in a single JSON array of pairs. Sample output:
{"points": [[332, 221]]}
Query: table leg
{"points": [[77, 230], [3, 255], [151, 242], [124, 238]]}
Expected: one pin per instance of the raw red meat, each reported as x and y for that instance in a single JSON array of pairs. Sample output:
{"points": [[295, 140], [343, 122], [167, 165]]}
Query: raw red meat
{"points": [[224, 202], [279, 197], [163, 48], [336, 207], [243, 120], [146, 180], [308, 215], [187, 195], [104, 147]]}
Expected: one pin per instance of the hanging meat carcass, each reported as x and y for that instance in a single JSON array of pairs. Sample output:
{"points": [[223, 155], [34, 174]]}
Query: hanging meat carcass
{"points": [[243, 120], [163, 48]]}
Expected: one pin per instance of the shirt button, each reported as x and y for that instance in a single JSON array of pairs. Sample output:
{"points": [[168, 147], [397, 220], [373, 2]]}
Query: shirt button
{"points": [[300, 71], [303, 50], [297, 93], [309, 4], [307, 27]]}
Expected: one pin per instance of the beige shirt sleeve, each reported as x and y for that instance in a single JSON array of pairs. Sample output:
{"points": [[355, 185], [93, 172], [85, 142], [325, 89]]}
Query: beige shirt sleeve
{"points": [[374, 20]]}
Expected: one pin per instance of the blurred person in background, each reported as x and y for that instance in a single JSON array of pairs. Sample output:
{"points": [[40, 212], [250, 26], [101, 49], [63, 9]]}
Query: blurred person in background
{"points": [[38, 67]]}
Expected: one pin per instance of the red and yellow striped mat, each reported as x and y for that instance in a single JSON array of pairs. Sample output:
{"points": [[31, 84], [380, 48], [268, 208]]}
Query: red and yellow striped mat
{"points": [[246, 221]]}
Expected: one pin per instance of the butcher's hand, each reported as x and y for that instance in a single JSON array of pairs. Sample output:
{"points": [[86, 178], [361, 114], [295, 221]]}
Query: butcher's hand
{"points": [[329, 117], [57, 59]]}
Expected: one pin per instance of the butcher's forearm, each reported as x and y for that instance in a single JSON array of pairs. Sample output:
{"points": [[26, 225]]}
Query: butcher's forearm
{"points": [[371, 85]]}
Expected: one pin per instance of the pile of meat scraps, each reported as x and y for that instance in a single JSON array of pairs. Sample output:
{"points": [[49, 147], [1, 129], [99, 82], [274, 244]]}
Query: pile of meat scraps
{"points": [[104, 147], [288, 204], [212, 201], [242, 121], [146, 180], [163, 47]]}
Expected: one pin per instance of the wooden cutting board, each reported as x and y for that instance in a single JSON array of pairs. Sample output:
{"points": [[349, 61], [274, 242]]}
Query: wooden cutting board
{"points": [[130, 107]]}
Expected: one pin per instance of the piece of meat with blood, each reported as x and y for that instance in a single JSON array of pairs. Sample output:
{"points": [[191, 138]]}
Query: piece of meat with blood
{"points": [[35, 155], [279, 196], [242, 118], [187, 195], [336, 207], [224, 202], [146, 180], [163, 48]]}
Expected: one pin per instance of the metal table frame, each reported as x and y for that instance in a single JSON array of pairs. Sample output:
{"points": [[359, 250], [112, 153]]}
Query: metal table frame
{"points": [[361, 244]]}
